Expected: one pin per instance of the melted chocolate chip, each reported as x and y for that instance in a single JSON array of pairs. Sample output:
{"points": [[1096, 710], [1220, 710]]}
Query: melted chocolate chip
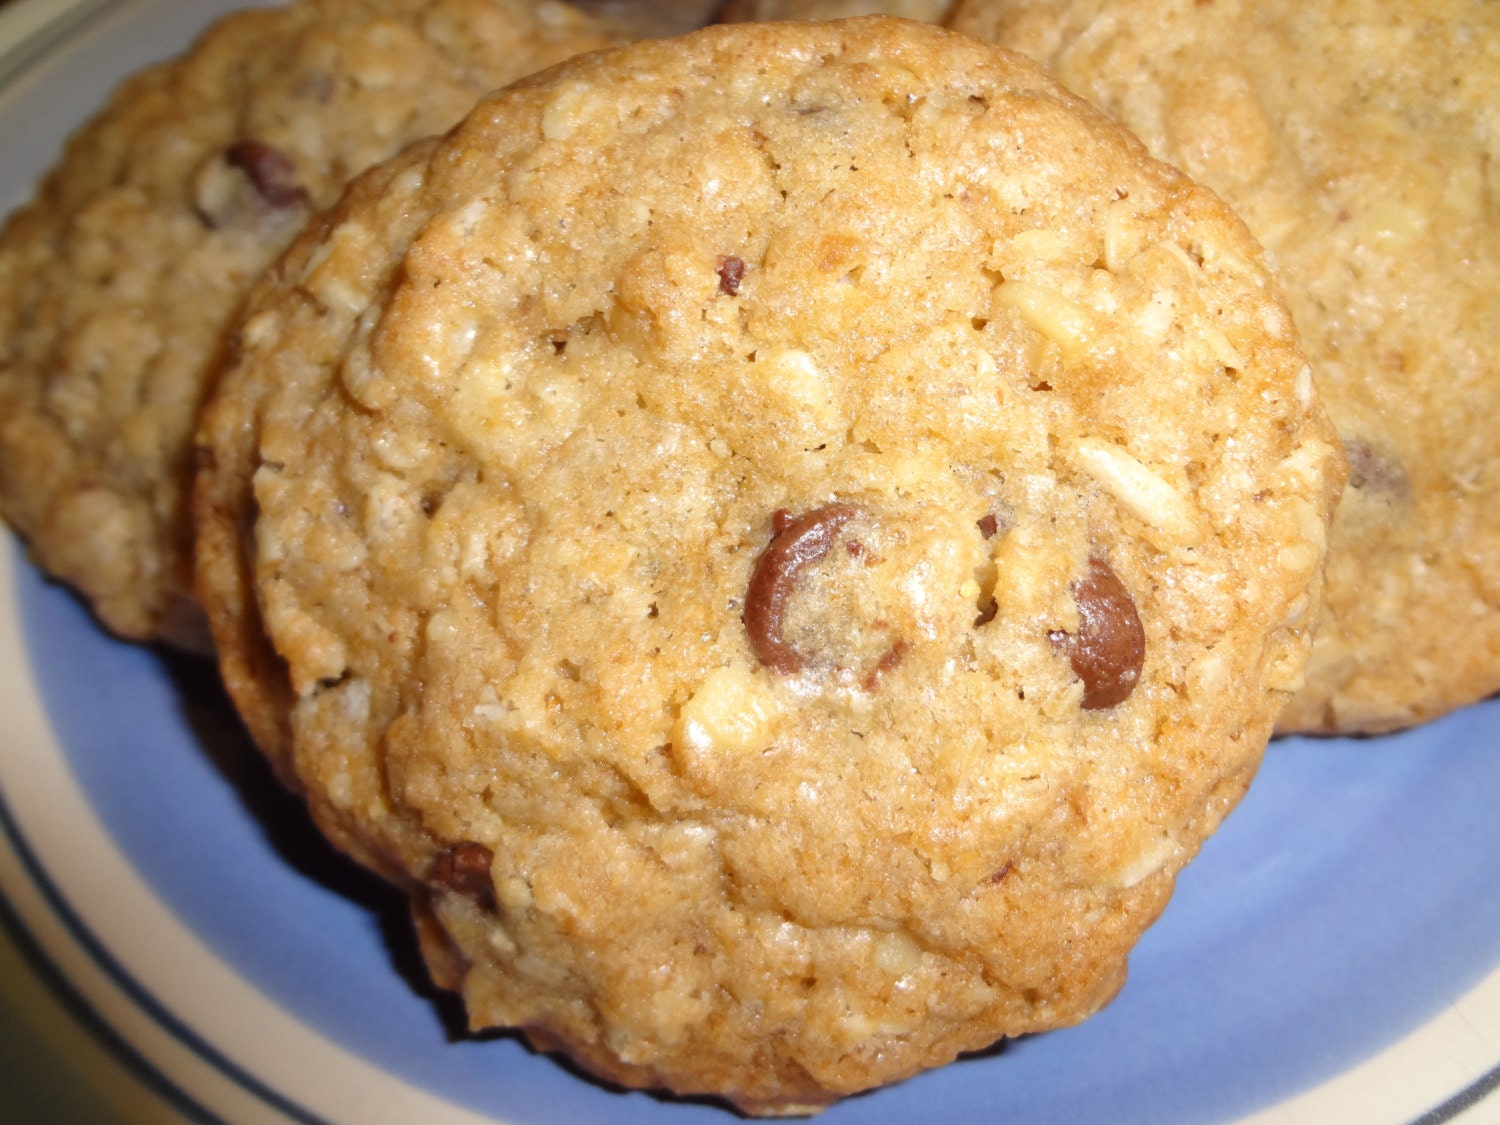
{"points": [[795, 542], [1372, 471], [888, 662], [465, 868], [270, 170], [1110, 647], [999, 876], [731, 271]]}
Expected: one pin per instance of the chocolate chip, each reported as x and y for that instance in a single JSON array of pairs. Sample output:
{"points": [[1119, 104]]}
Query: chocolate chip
{"points": [[270, 170], [465, 868], [1110, 646], [731, 271], [988, 525], [1370, 470], [888, 662], [795, 542]]}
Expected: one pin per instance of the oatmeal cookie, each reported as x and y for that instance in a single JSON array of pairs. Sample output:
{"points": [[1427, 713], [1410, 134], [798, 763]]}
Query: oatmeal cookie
{"points": [[1360, 140], [118, 281], [784, 540]]}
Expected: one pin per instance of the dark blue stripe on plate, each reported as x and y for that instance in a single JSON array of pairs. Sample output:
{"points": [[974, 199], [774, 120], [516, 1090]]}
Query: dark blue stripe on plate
{"points": [[47, 38], [83, 1014], [142, 999], [1463, 1101]]}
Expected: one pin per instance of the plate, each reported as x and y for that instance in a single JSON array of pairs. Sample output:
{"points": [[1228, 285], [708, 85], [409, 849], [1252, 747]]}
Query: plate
{"points": [[1334, 954]]}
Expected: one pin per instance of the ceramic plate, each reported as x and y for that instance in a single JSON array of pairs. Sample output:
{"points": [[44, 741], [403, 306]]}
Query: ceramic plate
{"points": [[1334, 955]]}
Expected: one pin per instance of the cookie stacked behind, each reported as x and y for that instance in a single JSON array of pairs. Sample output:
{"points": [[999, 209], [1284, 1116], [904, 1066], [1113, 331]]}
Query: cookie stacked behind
{"points": [[784, 541], [1360, 141], [117, 284]]}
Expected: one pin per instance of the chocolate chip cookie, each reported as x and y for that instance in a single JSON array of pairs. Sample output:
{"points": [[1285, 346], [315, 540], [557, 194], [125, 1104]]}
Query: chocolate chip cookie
{"points": [[1360, 141], [118, 281], [784, 541]]}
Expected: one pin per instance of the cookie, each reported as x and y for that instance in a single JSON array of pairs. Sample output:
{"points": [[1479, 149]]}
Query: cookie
{"points": [[118, 281], [783, 540], [1359, 139], [928, 11]]}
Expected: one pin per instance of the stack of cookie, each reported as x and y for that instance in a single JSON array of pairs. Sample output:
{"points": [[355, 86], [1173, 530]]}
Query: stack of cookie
{"points": [[783, 540]]}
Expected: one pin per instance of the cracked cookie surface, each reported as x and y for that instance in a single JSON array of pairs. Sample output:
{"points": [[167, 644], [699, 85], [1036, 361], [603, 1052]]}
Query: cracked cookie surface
{"points": [[1360, 141], [118, 281], [784, 541]]}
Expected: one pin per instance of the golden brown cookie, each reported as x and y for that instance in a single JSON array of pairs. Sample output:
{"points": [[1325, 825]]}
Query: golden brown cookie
{"points": [[1360, 141], [784, 540], [117, 282]]}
